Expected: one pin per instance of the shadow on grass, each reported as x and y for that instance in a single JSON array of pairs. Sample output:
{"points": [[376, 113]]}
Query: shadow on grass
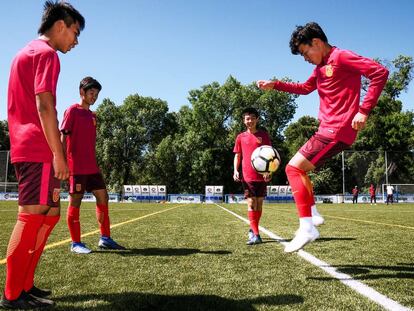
{"points": [[162, 252], [327, 239], [143, 301], [269, 240], [371, 272]]}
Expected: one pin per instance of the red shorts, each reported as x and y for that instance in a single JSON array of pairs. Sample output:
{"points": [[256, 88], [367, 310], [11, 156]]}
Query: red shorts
{"points": [[80, 183], [254, 189], [37, 184], [318, 149]]}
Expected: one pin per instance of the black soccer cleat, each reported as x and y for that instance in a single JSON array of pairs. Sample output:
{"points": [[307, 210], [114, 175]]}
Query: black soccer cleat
{"points": [[38, 292], [25, 302]]}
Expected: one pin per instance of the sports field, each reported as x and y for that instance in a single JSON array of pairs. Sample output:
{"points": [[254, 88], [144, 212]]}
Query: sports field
{"points": [[194, 257]]}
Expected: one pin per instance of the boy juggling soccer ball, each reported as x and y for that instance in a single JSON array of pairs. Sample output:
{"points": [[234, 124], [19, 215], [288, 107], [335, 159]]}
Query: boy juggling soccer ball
{"points": [[254, 184], [337, 77], [36, 151], [79, 136]]}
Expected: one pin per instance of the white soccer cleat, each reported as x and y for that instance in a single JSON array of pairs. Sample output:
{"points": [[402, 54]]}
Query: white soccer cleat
{"points": [[318, 220], [79, 248], [301, 238]]}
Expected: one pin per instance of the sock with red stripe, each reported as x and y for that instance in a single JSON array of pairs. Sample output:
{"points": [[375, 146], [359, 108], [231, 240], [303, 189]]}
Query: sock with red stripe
{"points": [[20, 252], [102, 215], [43, 234], [301, 190], [254, 221], [74, 223]]}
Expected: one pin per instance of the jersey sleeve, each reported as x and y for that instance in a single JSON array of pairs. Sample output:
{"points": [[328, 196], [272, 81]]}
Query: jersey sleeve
{"points": [[46, 72], [67, 123], [237, 145], [297, 88], [375, 72]]}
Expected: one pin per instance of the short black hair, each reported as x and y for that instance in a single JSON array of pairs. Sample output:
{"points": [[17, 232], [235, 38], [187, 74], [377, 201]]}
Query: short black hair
{"points": [[250, 110], [304, 35], [54, 11], [88, 83]]}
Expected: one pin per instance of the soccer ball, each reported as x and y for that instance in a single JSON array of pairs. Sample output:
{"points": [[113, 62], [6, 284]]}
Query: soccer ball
{"points": [[265, 159]]}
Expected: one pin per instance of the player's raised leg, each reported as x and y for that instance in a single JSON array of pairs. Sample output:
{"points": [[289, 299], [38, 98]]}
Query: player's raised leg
{"points": [[303, 194]]}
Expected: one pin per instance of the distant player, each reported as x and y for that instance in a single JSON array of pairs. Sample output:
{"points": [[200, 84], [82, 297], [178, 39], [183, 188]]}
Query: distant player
{"points": [[79, 137], [372, 194], [355, 193], [254, 184], [390, 194], [36, 150], [337, 77]]}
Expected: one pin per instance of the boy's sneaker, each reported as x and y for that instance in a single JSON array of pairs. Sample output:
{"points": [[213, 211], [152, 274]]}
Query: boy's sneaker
{"points": [[38, 292], [301, 239], [25, 301], [256, 239], [79, 248], [250, 234], [108, 243]]}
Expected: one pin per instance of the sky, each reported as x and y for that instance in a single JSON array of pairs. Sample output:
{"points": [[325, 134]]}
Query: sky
{"points": [[165, 48]]}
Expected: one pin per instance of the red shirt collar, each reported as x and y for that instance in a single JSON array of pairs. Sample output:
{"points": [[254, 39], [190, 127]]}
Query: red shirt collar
{"points": [[325, 59]]}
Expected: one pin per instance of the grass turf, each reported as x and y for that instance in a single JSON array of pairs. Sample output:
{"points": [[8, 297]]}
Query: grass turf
{"points": [[194, 257]]}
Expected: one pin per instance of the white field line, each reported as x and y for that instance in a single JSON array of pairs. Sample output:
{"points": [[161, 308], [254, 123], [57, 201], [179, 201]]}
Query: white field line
{"points": [[346, 279]]}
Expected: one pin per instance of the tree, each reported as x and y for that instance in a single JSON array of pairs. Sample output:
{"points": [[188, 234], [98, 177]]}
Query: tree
{"points": [[4, 135], [296, 134], [127, 135], [389, 129]]}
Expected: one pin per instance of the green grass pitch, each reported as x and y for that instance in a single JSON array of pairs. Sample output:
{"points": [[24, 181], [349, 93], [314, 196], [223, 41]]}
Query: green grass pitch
{"points": [[194, 257]]}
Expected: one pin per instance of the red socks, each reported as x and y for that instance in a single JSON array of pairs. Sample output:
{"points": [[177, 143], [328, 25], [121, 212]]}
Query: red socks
{"points": [[301, 189], [48, 224], [20, 252], [73, 223], [254, 217], [102, 215]]}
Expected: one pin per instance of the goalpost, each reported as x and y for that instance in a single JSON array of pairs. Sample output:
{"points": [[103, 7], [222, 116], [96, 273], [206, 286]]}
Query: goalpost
{"points": [[402, 192]]}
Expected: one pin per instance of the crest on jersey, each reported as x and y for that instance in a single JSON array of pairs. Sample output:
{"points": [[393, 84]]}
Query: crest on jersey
{"points": [[259, 140], [56, 195], [78, 187], [329, 70]]}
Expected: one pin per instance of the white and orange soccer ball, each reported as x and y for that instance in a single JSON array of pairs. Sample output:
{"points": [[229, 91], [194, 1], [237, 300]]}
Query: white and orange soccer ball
{"points": [[265, 159]]}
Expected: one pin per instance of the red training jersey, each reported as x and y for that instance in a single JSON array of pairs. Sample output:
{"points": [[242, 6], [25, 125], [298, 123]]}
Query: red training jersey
{"points": [[245, 144], [371, 191], [338, 80], [80, 127], [34, 70]]}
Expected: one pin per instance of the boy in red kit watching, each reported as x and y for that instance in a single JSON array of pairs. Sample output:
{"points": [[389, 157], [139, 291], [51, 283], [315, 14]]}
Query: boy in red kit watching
{"points": [[36, 150], [372, 194], [79, 137], [254, 184], [337, 77]]}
